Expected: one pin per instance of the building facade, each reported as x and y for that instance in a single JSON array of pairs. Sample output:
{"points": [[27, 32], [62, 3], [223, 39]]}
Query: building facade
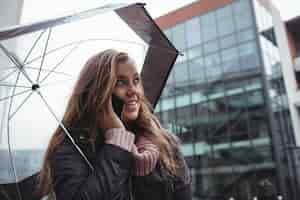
{"points": [[226, 99]]}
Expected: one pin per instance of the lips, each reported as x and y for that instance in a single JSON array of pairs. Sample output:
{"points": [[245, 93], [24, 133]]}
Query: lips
{"points": [[131, 105]]}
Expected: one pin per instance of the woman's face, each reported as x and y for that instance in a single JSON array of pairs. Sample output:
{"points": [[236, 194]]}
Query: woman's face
{"points": [[128, 87]]}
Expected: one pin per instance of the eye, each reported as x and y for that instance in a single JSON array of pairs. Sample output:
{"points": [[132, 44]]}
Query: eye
{"points": [[120, 82], [136, 80]]}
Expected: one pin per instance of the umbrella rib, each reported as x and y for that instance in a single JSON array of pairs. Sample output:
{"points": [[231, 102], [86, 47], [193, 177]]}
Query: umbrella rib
{"points": [[95, 39], [17, 94], [44, 53], [51, 51], [82, 41], [65, 130], [11, 116], [58, 64], [8, 75], [48, 70], [31, 49], [20, 86], [16, 61], [8, 142]]}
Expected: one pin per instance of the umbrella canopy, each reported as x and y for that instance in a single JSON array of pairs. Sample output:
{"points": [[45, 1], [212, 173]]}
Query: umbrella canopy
{"points": [[39, 64]]}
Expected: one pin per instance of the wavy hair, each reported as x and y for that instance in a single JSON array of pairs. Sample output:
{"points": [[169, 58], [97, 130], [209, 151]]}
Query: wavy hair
{"points": [[90, 95]]}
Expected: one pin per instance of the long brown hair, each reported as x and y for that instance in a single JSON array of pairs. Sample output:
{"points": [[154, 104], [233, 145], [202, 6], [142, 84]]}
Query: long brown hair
{"points": [[90, 95]]}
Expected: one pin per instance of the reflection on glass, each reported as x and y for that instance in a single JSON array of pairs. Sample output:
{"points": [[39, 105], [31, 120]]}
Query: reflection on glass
{"points": [[230, 60], [209, 22], [194, 52], [211, 46], [222, 118], [242, 14], [228, 41], [178, 36], [181, 73], [197, 70], [225, 20], [193, 34], [246, 35], [248, 55]]}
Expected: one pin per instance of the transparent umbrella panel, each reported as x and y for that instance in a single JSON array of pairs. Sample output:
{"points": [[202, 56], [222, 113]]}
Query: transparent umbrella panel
{"points": [[38, 71]]}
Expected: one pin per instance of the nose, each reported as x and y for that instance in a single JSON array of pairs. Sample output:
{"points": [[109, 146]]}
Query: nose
{"points": [[132, 90]]}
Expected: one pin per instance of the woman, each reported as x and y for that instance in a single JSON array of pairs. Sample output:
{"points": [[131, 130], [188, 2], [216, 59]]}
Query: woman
{"points": [[132, 155]]}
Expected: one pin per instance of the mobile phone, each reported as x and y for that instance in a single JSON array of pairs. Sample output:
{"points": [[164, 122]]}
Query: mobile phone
{"points": [[117, 104]]}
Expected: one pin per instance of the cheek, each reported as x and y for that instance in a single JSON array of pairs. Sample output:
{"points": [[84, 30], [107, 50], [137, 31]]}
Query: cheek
{"points": [[120, 92]]}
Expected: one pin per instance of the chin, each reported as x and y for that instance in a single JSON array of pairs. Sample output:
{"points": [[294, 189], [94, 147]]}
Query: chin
{"points": [[131, 116]]}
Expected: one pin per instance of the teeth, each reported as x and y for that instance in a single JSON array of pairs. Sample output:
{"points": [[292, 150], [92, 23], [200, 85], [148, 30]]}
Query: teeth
{"points": [[132, 103]]}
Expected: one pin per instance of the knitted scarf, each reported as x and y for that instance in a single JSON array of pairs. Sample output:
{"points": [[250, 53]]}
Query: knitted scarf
{"points": [[145, 153]]}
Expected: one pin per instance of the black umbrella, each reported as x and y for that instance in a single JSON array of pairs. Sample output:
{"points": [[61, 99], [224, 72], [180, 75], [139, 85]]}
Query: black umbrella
{"points": [[39, 63]]}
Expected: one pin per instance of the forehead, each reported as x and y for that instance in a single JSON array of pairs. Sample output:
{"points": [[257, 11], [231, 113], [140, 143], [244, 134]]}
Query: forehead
{"points": [[126, 69]]}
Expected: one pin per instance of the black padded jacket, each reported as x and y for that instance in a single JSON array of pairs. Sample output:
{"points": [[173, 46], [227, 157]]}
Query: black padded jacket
{"points": [[111, 179]]}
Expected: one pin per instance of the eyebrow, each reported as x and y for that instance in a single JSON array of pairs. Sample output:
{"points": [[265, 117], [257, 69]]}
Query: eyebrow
{"points": [[124, 77], [121, 76]]}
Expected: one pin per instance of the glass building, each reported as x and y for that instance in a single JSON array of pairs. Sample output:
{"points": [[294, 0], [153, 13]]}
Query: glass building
{"points": [[225, 98]]}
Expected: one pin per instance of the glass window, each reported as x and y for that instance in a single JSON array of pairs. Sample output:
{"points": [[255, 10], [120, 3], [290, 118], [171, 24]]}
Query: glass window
{"points": [[198, 97], [170, 79], [228, 41], [187, 149], [197, 72], [218, 114], [181, 58], [225, 20], [255, 98], [178, 36], [201, 148], [181, 73], [254, 84], [248, 55], [157, 107], [214, 73], [182, 100], [194, 52], [242, 14], [211, 46], [167, 103], [193, 34], [201, 121], [168, 119], [168, 90], [212, 60], [245, 35], [209, 22], [230, 60], [168, 33]]}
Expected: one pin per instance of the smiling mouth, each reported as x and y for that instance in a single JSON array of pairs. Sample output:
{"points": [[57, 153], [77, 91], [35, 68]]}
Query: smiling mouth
{"points": [[131, 105]]}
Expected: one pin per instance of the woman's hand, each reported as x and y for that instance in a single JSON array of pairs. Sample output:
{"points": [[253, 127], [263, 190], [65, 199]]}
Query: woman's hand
{"points": [[109, 118]]}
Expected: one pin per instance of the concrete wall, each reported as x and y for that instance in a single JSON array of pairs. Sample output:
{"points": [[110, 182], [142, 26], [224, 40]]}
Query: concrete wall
{"points": [[287, 67]]}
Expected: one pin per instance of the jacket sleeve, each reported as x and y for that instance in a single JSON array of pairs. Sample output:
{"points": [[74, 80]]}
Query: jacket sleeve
{"points": [[74, 180], [182, 183]]}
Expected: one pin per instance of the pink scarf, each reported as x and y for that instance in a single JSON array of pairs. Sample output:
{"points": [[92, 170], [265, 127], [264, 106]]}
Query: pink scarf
{"points": [[145, 153]]}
